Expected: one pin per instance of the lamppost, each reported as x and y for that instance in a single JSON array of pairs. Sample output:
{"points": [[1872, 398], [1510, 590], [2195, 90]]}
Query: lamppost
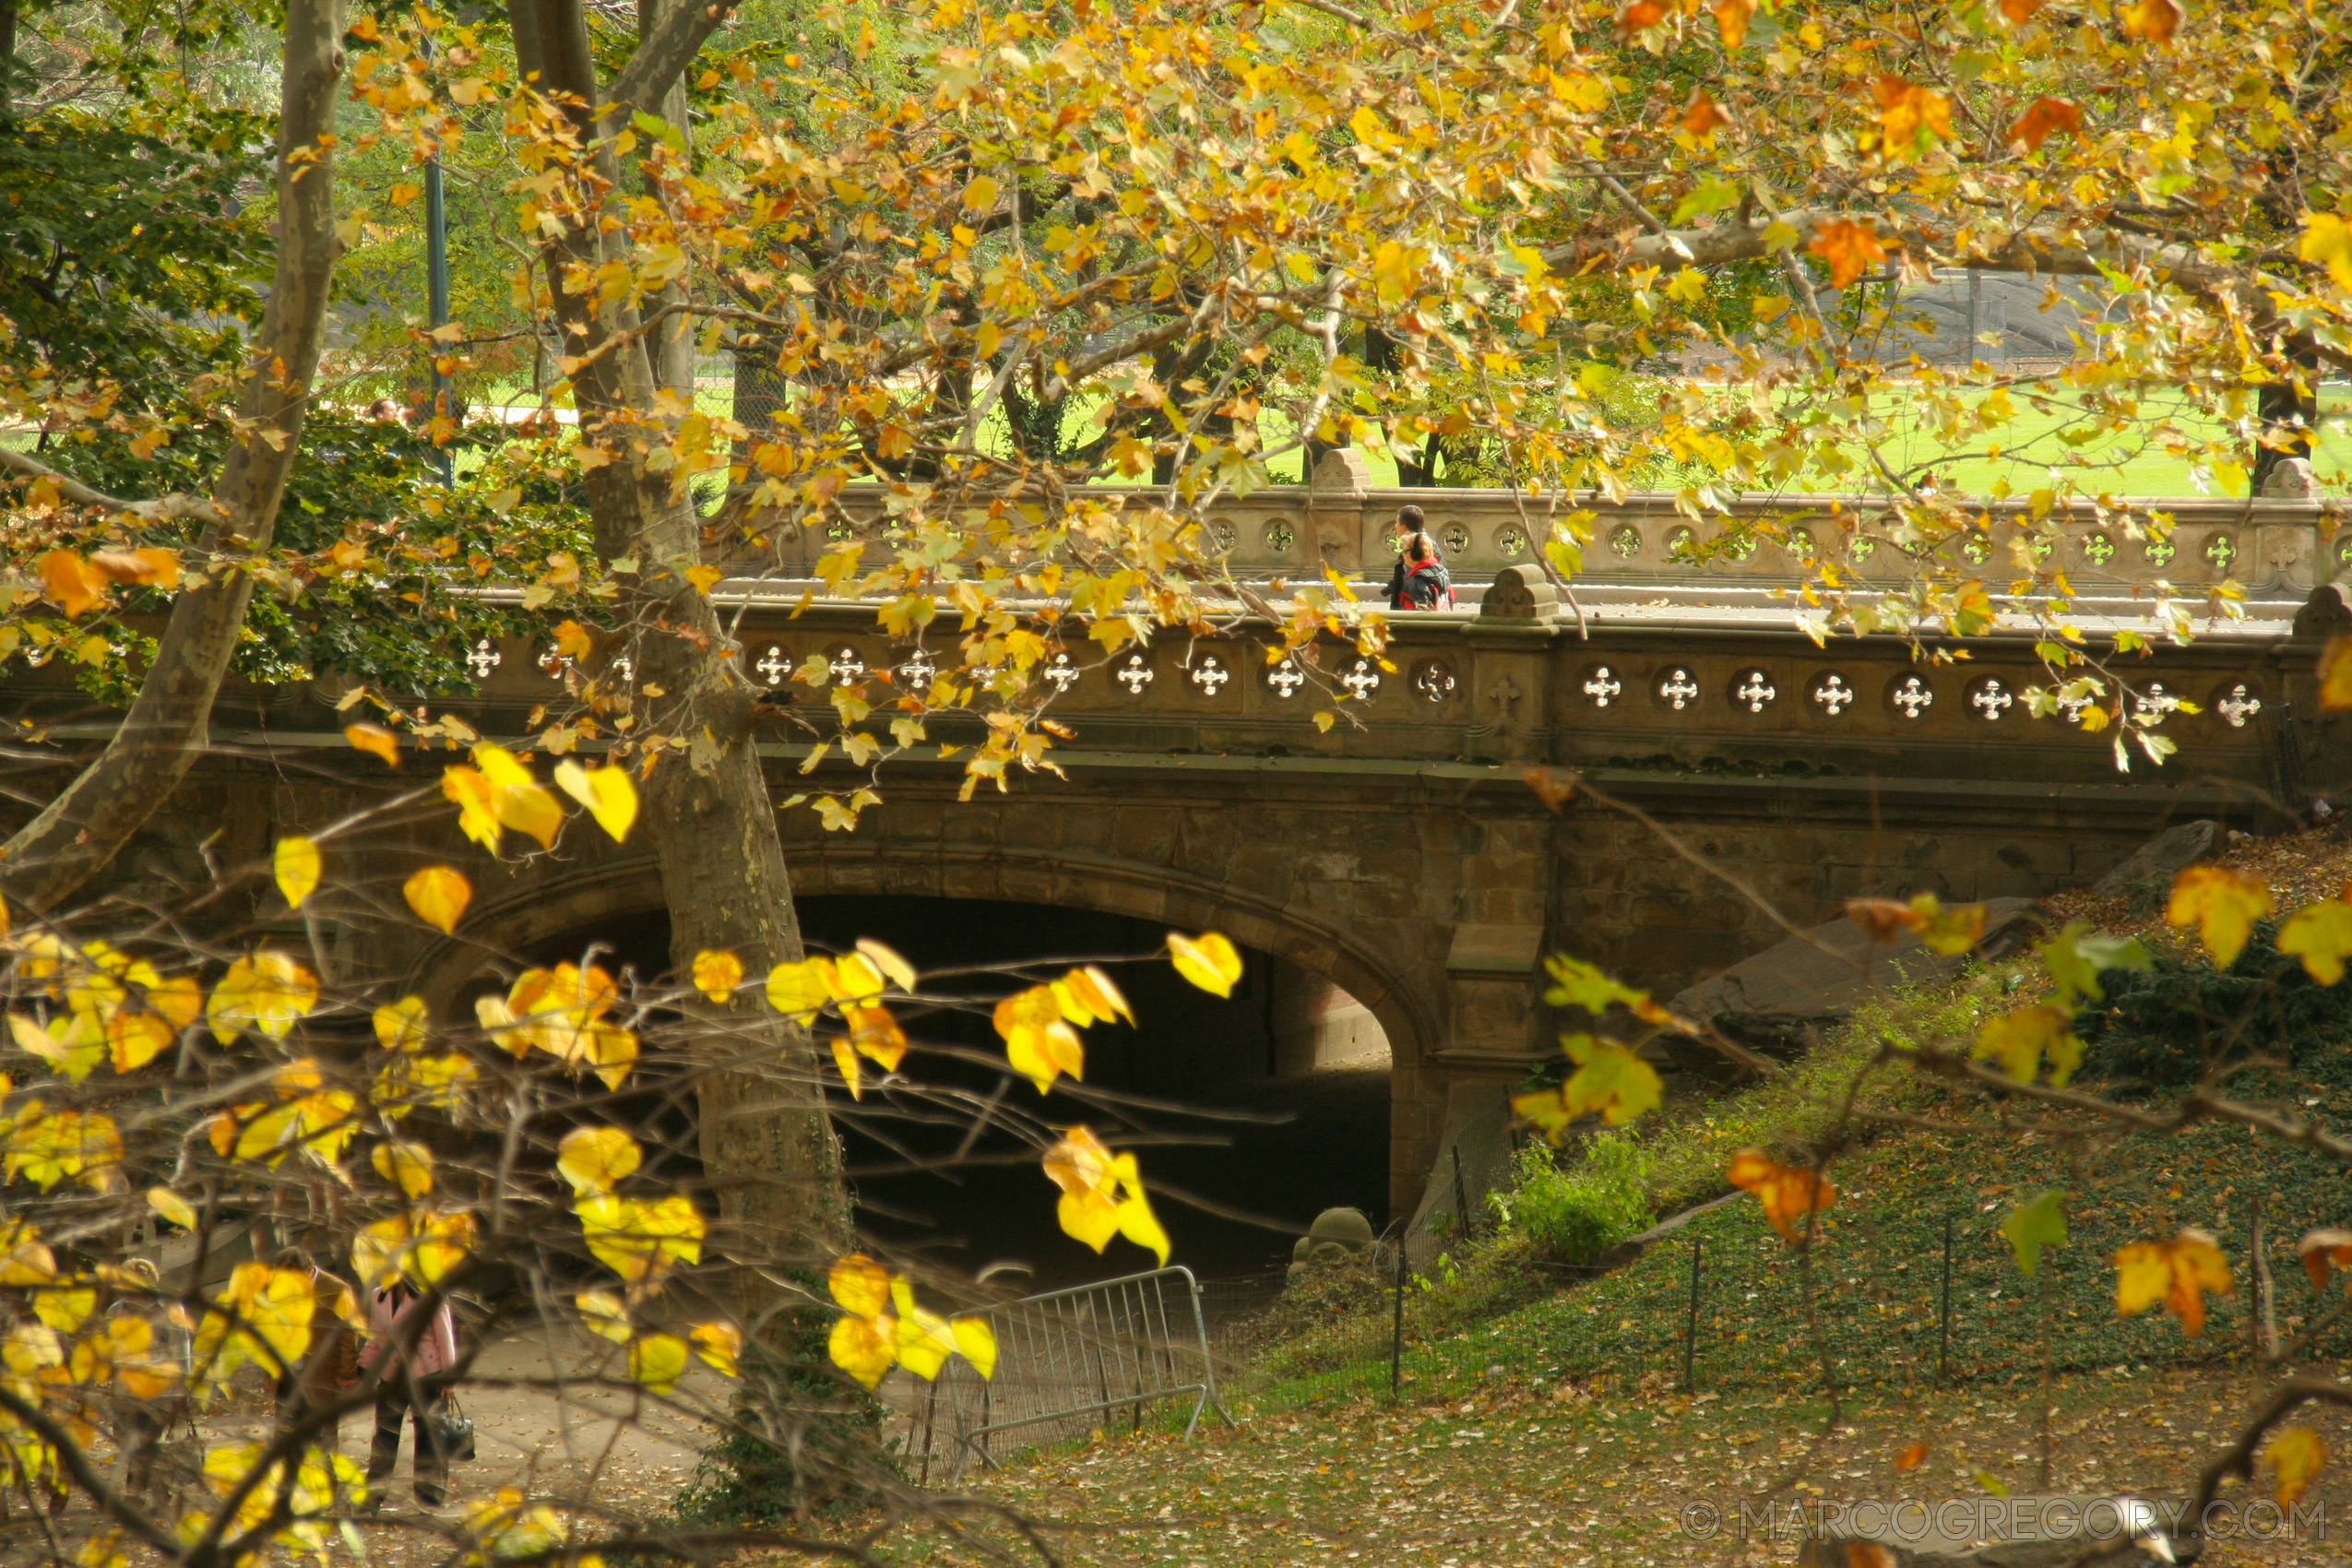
{"points": [[436, 290]]}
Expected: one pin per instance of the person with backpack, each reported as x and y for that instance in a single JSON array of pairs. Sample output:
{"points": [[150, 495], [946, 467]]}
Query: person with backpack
{"points": [[1425, 584], [1408, 522]]}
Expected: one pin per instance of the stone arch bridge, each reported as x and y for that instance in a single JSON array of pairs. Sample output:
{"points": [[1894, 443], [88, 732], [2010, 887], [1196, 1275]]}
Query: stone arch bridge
{"points": [[1401, 855]]}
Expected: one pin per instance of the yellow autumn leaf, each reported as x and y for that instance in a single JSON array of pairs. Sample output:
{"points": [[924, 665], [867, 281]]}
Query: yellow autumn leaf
{"points": [[177, 998], [2021, 1039], [171, 1207], [639, 1238], [597, 1159], [2297, 1454], [608, 794], [2335, 674], [374, 740], [439, 896], [2327, 239], [1209, 960], [1088, 996], [2320, 935], [1038, 1043], [1103, 1195], [977, 1340], [477, 804], [268, 991], [400, 1026], [276, 1304], [800, 991], [657, 1361], [520, 801], [2222, 904], [138, 1038], [923, 1342], [719, 1344], [2178, 1274], [604, 1315], [64, 1308], [860, 1285], [885, 960], [297, 865], [860, 1347], [716, 974], [407, 1166], [855, 977], [74, 1053], [846, 1059]]}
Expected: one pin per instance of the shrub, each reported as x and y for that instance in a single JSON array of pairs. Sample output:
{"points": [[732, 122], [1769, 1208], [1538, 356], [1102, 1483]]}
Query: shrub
{"points": [[2165, 1026], [1576, 1214]]}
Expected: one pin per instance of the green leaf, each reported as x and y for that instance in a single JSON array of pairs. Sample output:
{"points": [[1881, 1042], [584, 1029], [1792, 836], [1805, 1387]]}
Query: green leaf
{"points": [[2035, 1225], [1611, 1079], [2076, 955], [1579, 984]]}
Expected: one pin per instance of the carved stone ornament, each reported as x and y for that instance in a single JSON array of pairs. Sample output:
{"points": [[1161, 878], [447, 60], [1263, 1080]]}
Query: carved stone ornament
{"points": [[1520, 593]]}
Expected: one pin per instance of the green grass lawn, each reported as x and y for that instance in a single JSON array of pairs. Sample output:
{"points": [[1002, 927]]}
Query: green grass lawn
{"points": [[1559, 1433], [2029, 445]]}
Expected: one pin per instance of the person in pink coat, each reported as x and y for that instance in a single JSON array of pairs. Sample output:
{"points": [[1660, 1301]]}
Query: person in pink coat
{"points": [[416, 1359]]}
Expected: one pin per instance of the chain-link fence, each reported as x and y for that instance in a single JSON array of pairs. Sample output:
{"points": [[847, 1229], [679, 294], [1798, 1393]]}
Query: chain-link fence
{"points": [[1724, 1303], [1940, 1298]]}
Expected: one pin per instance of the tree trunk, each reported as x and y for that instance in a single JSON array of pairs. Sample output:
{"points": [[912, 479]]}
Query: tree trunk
{"points": [[7, 57], [2289, 414], [672, 351], [80, 831], [768, 1143]]}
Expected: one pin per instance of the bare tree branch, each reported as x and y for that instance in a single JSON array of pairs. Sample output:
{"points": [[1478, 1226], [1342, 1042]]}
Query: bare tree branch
{"points": [[162, 509]]}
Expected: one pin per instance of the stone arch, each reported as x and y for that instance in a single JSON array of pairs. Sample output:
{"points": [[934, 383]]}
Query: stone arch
{"points": [[573, 897]]}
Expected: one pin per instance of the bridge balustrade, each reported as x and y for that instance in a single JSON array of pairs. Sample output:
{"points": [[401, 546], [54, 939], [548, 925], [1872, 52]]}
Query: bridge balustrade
{"points": [[1645, 538]]}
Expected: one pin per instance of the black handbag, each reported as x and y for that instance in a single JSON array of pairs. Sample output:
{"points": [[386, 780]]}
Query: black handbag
{"points": [[453, 1430]]}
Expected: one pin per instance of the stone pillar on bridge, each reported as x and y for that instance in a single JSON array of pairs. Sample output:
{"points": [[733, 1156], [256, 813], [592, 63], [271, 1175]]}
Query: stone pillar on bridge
{"points": [[1336, 493], [1511, 660]]}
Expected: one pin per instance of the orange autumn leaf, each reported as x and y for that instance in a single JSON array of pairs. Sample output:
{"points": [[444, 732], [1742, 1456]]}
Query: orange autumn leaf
{"points": [[70, 583], [1884, 919], [2178, 1274], [1731, 17], [1639, 17], [147, 567], [2297, 1454], [572, 640], [2222, 904], [2044, 116], [1908, 112], [439, 896], [2152, 22], [374, 740], [1789, 1192], [2323, 1252], [1701, 117], [1850, 248], [717, 973], [2019, 12], [1910, 1457]]}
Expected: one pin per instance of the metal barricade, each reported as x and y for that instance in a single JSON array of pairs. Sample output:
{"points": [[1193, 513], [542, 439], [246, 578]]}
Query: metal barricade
{"points": [[1069, 1363]]}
